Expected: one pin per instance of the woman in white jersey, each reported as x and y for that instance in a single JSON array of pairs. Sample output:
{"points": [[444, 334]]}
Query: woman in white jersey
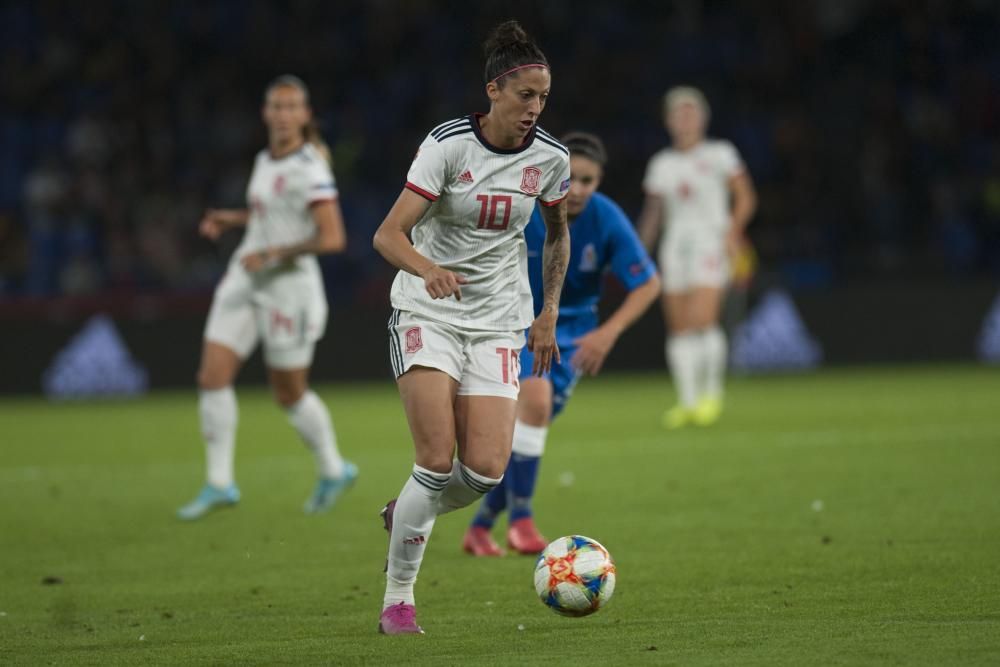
{"points": [[462, 298], [272, 293], [699, 199]]}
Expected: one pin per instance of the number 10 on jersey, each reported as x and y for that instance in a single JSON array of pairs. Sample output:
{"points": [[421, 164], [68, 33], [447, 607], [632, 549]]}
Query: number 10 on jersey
{"points": [[488, 211]]}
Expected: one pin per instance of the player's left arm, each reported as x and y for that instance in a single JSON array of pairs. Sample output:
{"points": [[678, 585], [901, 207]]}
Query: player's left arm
{"points": [[330, 237], [555, 261]]}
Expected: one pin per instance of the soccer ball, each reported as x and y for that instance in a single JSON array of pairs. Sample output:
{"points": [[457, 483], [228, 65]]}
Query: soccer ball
{"points": [[575, 576]]}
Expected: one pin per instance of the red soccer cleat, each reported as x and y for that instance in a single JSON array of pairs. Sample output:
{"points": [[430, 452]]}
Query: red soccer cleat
{"points": [[479, 542], [524, 538]]}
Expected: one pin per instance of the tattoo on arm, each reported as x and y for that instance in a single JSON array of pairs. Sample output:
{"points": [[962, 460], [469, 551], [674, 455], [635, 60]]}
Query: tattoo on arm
{"points": [[555, 255]]}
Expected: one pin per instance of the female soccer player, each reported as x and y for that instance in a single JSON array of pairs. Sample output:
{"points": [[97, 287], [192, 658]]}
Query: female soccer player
{"points": [[273, 291], [701, 197], [462, 299], [602, 239]]}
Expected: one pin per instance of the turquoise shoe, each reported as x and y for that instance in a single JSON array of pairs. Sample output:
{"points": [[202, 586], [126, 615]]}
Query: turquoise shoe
{"points": [[209, 498], [327, 490]]}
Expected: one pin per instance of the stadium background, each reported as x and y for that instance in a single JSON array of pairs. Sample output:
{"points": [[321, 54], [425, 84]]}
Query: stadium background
{"points": [[870, 128]]}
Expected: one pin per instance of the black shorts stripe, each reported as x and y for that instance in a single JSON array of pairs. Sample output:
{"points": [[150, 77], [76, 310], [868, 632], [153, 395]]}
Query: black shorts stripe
{"points": [[552, 142], [450, 125], [473, 483], [464, 130], [395, 351]]}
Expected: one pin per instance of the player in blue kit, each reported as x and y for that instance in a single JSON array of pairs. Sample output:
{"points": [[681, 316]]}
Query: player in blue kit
{"points": [[602, 239]]}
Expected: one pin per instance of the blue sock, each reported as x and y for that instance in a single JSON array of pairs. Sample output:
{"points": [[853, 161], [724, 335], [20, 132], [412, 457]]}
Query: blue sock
{"points": [[493, 504], [522, 472]]}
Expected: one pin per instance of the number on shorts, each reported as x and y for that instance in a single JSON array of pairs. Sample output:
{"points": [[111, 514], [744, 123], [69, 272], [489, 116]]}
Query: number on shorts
{"points": [[490, 203], [510, 365]]}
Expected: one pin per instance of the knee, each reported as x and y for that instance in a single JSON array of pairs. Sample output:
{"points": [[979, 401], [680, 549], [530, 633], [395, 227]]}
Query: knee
{"points": [[438, 463], [287, 395], [211, 378], [535, 412], [491, 469]]}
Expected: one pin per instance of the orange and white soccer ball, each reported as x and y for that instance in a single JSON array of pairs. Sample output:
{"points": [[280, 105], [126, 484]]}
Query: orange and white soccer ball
{"points": [[575, 576]]}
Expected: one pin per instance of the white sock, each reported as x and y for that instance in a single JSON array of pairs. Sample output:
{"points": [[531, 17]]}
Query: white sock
{"points": [[218, 412], [312, 420], [529, 440], [412, 523], [682, 355], [714, 349], [464, 488]]}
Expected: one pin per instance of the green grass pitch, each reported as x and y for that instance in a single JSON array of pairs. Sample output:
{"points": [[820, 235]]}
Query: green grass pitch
{"points": [[847, 517]]}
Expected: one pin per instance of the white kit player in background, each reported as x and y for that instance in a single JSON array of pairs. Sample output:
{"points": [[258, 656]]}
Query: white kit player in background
{"points": [[699, 200], [273, 293], [462, 299]]}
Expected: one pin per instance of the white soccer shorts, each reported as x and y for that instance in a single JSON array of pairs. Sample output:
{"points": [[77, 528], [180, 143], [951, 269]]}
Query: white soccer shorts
{"points": [[286, 309], [692, 262], [484, 363]]}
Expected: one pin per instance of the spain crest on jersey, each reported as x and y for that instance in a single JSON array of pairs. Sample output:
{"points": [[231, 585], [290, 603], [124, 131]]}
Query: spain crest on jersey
{"points": [[531, 177]]}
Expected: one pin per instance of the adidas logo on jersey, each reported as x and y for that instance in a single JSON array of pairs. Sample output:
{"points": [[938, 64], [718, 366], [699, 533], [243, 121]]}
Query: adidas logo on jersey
{"points": [[466, 177]]}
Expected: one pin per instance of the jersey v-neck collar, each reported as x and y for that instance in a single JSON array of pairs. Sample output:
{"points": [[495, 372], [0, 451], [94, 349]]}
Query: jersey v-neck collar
{"points": [[478, 131]]}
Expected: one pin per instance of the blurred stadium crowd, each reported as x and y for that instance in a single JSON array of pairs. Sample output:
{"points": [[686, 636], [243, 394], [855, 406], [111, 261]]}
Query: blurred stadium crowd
{"points": [[871, 128]]}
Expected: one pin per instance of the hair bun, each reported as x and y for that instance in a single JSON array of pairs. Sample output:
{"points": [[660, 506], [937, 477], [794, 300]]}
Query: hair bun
{"points": [[506, 34]]}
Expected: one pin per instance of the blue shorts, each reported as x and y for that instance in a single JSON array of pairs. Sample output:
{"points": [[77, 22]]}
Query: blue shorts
{"points": [[562, 375]]}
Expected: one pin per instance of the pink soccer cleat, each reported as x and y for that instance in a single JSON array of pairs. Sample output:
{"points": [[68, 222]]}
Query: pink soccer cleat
{"points": [[479, 542], [524, 538], [399, 619]]}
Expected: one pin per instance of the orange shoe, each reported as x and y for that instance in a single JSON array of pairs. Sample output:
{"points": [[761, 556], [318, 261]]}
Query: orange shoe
{"points": [[524, 538], [479, 542]]}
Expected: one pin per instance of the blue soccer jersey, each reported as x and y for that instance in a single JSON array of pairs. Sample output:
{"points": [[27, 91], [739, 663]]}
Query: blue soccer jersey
{"points": [[602, 239]]}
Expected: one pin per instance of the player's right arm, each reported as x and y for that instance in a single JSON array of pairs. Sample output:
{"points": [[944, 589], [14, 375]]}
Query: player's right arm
{"points": [[651, 217], [392, 241], [218, 220]]}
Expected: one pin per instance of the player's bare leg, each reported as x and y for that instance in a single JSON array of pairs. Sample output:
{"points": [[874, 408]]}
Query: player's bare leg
{"points": [[218, 414], [484, 428], [428, 397], [311, 419], [478, 540]]}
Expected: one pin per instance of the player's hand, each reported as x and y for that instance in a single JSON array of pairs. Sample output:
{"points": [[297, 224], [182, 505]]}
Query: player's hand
{"points": [[542, 342], [735, 242], [212, 224], [442, 283], [742, 258], [257, 261], [593, 349]]}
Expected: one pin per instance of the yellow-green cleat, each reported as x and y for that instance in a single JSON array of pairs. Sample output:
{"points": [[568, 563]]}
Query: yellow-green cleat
{"points": [[677, 417], [707, 412]]}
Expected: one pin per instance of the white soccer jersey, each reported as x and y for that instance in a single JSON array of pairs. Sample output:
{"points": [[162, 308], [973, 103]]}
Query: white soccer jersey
{"points": [[694, 185], [279, 196], [482, 198]]}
